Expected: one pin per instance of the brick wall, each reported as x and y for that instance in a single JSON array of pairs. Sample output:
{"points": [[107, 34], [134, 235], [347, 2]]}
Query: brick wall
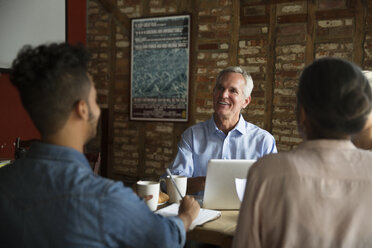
{"points": [[273, 40]]}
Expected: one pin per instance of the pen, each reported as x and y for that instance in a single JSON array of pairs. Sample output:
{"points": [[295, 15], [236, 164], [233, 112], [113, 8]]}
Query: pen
{"points": [[174, 183]]}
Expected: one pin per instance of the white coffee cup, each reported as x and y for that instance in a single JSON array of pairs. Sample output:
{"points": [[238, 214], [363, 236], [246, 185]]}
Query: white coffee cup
{"points": [[181, 182], [146, 188]]}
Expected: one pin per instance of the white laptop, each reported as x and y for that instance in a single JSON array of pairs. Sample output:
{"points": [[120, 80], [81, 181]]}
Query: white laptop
{"points": [[220, 191]]}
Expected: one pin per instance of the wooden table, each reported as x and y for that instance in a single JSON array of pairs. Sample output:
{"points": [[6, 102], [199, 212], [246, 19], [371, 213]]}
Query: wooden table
{"points": [[218, 232]]}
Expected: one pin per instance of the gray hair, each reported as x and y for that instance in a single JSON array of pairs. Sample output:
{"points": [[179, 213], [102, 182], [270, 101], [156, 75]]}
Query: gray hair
{"points": [[247, 77]]}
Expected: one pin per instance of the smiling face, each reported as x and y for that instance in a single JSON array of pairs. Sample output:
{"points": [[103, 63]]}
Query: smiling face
{"points": [[229, 98]]}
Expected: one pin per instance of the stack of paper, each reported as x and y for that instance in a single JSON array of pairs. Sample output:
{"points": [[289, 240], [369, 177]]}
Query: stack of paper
{"points": [[204, 216]]}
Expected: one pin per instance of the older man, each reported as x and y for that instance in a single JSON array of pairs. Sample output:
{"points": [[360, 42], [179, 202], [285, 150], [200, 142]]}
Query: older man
{"points": [[51, 197], [364, 138], [226, 135]]}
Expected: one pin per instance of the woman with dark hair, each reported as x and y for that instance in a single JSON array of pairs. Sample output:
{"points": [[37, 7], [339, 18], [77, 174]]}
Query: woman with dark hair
{"points": [[319, 194]]}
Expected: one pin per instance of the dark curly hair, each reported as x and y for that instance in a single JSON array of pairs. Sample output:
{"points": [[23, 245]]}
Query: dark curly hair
{"points": [[336, 97], [51, 79]]}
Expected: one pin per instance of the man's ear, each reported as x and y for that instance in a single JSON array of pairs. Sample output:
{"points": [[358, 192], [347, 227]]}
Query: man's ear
{"points": [[246, 101], [81, 110]]}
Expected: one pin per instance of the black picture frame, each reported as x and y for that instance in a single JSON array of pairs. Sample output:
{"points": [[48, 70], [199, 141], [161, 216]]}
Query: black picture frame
{"points": [[160, 68]]}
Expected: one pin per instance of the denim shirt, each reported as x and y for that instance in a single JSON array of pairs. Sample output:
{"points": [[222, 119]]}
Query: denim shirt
{"points": [[205, 141], [51, 198]]}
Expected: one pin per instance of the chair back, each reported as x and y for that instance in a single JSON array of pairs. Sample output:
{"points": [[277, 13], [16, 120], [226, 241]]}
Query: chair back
{"points": [[21, 147], [94, 159]]}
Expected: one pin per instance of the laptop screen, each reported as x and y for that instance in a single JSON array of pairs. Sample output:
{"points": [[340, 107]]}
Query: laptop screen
{"points": [[220, 190]]}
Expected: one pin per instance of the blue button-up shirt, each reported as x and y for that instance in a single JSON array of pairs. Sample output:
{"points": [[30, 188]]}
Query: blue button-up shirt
{"points": [[51, 198], [204, 141]]}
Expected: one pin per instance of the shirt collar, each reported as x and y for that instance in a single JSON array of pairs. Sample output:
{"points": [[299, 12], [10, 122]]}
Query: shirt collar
{"points": [[240, 126], [50, 151]]}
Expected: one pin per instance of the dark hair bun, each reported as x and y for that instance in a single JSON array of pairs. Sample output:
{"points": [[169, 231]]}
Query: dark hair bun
{"points": [[335, 95]]}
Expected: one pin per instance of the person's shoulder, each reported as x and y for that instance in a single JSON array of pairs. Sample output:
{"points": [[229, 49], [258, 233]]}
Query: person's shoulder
{"points": [[257, 132], [102, 186], [254, 128], [274, 164], [366, 154], [201, 124], [198, 127], [7, 172]]}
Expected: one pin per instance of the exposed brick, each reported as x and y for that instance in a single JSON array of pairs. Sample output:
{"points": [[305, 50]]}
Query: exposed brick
{"points": [[252, 69], [220, 11], [224, 18], [223, 63], [291, 29], [203, 27], [250, 51], [291, 8], [203, 79], [342, 31], [204, 63], [254, 10], [220, 55], [213, 45], [293, 66], [294, 39], [290, 49], [207, 19], [209, 4], [206, 35], [331, 4], [257, 60], [222, 35], [251, 31], [122, 44], [252, 1], [224, 46], [330, 23], [290, 139], [157, 10], [289, 57], [208, 46], [201, 110]]}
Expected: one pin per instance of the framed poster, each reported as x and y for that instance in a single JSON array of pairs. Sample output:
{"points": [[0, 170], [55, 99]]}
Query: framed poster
{"points": [[160, 55]]}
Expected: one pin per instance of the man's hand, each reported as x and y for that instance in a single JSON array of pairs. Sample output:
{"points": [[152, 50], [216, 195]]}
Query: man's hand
{"points": [[188, 211], [195, 185]]}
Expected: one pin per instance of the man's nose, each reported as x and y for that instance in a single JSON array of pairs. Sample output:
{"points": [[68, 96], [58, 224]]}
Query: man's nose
{"points": [[224, 93]]}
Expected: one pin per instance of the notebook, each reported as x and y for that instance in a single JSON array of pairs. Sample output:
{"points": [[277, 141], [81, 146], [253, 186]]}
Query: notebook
{"points": [[220, 191], [204, 215]]}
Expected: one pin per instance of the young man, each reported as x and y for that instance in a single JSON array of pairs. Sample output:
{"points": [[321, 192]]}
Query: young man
{"points": [[226, 135], [51, 197]]}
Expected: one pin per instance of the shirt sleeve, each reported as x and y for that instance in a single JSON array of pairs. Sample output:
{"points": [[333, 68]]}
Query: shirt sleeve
{"points": [[126, 221], [183, 164], [268, 145]]}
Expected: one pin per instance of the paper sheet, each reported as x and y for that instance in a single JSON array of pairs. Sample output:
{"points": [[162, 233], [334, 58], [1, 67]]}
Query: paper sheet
{"points": [[204, 216], [4, 162], [240, 187]]}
